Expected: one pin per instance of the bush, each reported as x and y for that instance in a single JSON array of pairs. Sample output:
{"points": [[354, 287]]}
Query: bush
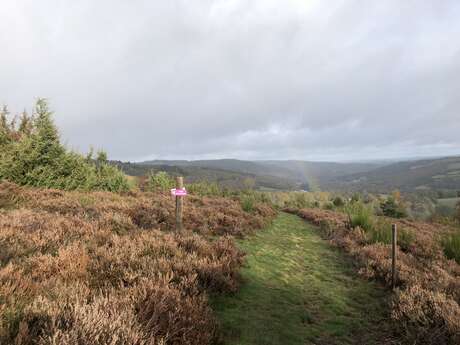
{"points": [[328, 206], [160, 181], [33, 155], [338, 202], [427, 317], [392, 208]]}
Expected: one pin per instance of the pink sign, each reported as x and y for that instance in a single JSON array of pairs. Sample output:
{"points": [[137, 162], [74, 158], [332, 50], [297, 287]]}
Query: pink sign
{"points": [[178, 192]]}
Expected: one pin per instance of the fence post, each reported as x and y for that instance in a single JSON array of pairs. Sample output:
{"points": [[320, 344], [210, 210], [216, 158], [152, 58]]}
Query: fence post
{"points": [[394, 236], [179, 203]]}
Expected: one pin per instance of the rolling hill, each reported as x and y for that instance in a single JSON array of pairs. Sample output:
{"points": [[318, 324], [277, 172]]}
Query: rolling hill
{"points": [[277, 175], [379, 177], [426, 174]]}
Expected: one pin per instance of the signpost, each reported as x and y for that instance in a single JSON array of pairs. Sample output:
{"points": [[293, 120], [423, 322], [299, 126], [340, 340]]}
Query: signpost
{"points": [[179, 192]]}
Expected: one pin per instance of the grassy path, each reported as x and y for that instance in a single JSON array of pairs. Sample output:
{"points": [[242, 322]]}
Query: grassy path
{"points": [[299, 290]]}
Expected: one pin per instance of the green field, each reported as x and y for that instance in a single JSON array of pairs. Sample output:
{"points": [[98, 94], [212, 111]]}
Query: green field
{"points": [[299, 290], [451, 202]]}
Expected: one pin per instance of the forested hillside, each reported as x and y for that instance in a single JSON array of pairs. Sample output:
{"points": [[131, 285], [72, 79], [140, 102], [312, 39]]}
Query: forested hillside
{"points": [[427, 174]]}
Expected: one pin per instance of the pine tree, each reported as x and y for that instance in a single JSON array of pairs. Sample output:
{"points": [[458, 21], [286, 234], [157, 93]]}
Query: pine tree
{"points": [[33, 155], [25, 125], [45, 139], [5, 128]]}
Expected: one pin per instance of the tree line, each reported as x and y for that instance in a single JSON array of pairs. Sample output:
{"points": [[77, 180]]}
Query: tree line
{"points": [[32, 154]]}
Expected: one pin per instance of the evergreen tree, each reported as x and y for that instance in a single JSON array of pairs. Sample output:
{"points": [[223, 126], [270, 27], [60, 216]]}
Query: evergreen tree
{"points": [[25, 125], [33, 155], [5, 129], [45, 139]]}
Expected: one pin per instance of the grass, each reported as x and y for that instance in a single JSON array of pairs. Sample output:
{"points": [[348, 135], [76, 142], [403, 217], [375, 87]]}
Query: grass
{"points": [[451, 246], [450, 202], [299, 290], [361, 216], [381, 232], [247, 203]]}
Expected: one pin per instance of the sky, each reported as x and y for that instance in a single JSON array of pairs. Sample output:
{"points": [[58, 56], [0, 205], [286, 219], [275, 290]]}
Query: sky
{"points": [[249, 79]]}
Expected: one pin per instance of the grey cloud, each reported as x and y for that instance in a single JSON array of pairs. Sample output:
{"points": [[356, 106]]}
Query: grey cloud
{"points": [[255, 79]]}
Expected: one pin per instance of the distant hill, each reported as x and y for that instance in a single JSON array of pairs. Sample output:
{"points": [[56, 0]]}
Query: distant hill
{"points": [[319, 173], [380, 177], [277, 175], [212, 173], [426, 174]]}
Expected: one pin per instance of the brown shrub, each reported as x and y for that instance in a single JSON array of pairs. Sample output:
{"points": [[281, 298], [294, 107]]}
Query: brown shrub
{"points": [[427, 317], [103, 268], [179, 315], [427, 305]]}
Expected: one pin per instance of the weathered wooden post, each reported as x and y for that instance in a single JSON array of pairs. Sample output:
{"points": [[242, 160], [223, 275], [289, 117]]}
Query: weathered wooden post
{"points": [[179, 202], [394, 236]]}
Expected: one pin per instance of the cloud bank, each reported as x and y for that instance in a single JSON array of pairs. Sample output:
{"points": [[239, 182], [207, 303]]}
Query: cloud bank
{"points": [[261, 79]]}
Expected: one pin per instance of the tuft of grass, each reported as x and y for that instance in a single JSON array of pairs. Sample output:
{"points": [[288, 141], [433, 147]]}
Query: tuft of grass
{"points": [[451, 246], [360, 215], [247, 203], [381, 233]]}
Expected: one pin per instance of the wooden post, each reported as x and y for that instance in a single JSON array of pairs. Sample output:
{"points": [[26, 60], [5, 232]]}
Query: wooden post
{"points": [[179, 203], [394, 236]]}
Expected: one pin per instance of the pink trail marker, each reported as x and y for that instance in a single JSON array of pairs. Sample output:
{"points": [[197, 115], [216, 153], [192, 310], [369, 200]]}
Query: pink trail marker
{"points": [[178, 192]]}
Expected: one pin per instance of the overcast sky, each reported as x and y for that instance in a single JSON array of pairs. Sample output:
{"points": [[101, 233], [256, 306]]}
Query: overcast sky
{"points": [[262, 79]]}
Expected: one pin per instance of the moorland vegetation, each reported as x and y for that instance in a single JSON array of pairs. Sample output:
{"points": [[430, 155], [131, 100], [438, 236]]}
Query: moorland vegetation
{"points": [[87, 256]]}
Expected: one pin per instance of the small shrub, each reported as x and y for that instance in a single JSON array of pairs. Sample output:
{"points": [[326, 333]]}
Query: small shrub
{"points": [[392, 208], [160, 181], [326, 228], [338, 202], [427, 317]]}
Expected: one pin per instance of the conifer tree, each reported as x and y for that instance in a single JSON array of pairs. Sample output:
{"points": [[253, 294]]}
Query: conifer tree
{"points": [[33, 155], [25, 125], [46, 137], [5, 129]]}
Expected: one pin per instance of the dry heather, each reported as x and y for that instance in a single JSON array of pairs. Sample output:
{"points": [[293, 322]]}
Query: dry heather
{"points": [[102, 268], [426, 305]]}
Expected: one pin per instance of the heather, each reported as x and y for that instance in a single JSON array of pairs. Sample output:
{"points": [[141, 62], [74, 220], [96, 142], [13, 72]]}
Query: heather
{"points": [[425, 307], [106, 268]]}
